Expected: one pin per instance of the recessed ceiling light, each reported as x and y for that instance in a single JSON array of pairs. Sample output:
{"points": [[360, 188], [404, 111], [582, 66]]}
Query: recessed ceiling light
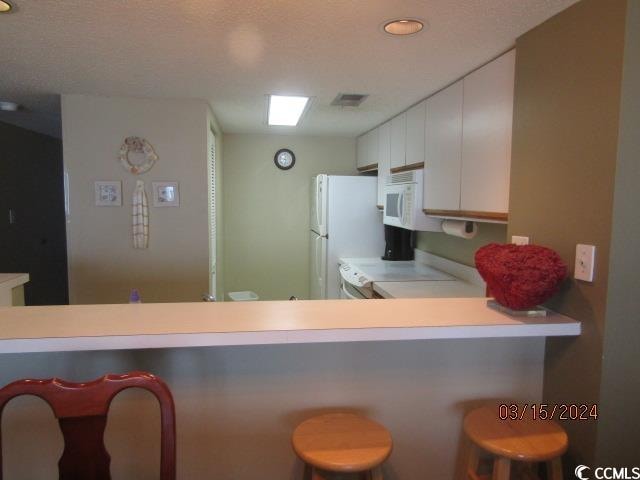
{"points": [[9, 106], [286, 110], [403, 26], [4, 6]]}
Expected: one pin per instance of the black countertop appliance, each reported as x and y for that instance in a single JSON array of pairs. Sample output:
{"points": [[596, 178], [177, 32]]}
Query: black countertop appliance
{"points": [[399, 243]]}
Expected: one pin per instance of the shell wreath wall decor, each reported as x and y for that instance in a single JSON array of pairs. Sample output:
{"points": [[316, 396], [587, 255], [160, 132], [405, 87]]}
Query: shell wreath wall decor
{"points": [[138, 146]]}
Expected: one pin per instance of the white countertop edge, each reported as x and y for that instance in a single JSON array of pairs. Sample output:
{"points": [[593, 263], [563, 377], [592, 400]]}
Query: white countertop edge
{"points": [[136, 342], [13, 280]]}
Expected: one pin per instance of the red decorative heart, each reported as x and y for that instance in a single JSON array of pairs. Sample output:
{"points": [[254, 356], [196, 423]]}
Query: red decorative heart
{"points": [[520, 276]]}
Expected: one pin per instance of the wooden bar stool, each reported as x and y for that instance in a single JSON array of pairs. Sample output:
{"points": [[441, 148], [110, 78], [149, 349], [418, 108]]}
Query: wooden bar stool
{"points": [[525, 440], [342, 443]]}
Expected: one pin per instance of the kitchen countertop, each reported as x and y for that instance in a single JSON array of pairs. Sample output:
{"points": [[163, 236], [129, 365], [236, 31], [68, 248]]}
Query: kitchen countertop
{"points": [[9, 281], [424, 289], [166, 325], [12, 280]]}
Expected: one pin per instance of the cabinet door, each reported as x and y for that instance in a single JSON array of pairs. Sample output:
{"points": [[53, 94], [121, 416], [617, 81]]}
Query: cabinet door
{"points": [[415, 135], [443, 160], [361, 152], [398, 140], [384, 159], [367, 151], [372, 149], [486, 136]]}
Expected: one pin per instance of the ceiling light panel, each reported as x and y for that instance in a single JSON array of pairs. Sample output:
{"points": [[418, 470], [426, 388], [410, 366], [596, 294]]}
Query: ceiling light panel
{"points": [[286, 110]]}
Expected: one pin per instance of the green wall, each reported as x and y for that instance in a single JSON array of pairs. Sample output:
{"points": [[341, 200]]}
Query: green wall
{"points": [[266, 210], [620, 387], [565, 141], [458, 249]]}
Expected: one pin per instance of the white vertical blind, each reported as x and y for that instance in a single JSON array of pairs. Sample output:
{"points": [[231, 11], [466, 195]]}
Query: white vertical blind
{"points": [[211, 167]]}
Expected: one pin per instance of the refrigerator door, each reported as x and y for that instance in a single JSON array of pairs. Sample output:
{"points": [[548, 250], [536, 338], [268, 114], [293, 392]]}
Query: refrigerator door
{"points": [[354, 224], [318, 266], [318, 201]]}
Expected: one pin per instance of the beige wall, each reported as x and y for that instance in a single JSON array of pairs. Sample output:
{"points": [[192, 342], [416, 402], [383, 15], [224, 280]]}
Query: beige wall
{"points": [[459, 249], [237, 406], [620, 388], [266, 236], [565, 135], [103, 266]]}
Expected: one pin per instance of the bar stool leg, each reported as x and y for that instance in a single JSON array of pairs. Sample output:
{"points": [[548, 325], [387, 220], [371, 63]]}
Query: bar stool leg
{"points": [[501, 469], [473, 461], [376, 473], [307, 472], [554, 469], [317, 475]]}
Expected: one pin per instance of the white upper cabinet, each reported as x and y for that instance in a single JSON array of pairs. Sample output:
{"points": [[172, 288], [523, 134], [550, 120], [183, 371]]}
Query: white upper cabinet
{"points": [[443, 159], [415, 135], [398, 140], [384, 159], [367, 151], [361, 152], [486, 136]]}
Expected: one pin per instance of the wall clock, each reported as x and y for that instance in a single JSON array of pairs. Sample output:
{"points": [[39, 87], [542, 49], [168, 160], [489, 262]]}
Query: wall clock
{"points": [[284, 159]]}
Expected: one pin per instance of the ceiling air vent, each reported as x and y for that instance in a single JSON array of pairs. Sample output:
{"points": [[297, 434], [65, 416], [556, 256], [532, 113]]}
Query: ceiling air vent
{"points": [[349, 100]]}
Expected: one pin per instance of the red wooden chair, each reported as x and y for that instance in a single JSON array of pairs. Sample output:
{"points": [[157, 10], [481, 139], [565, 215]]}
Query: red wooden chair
{"points": [[81, 410]]}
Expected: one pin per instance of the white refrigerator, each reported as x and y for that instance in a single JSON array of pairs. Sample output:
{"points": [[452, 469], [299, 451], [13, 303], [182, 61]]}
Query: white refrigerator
{"points": [[344, 222]]}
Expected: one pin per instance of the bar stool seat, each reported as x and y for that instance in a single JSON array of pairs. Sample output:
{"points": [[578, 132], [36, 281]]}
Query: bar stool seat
{"points": [[525, 440], [342, 443]]}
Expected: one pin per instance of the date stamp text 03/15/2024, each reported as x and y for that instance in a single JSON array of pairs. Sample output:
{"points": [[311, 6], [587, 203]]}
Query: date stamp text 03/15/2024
{"points": [[547, 411]]}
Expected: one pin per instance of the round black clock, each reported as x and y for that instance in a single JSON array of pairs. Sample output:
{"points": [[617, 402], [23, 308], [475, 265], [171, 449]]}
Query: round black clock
{"points": [[284, 159]]}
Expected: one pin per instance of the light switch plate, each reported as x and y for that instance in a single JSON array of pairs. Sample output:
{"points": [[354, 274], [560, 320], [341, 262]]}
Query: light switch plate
{"points": [[585, 260], [517, 240]]}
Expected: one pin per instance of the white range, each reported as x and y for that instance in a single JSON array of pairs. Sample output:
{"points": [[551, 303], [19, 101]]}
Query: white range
{"points": [[358, 275]]}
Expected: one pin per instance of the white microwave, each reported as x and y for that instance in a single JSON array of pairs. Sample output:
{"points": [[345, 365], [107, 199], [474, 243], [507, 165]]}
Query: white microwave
{"points": [[403, 203]]}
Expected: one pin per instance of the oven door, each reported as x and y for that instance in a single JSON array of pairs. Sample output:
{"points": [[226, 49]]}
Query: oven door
{"points": [[350, 292], [394, 205]]}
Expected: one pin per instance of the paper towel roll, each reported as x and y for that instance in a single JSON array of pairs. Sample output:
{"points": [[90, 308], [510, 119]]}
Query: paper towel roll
{"points": [[460, 228]]}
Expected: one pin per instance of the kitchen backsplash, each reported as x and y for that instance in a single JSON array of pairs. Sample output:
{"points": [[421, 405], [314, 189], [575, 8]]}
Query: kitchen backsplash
{"points": [[459, 249]]}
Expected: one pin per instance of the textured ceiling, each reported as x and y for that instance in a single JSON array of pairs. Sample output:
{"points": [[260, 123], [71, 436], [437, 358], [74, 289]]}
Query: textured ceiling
{"points": [[232, 53]]}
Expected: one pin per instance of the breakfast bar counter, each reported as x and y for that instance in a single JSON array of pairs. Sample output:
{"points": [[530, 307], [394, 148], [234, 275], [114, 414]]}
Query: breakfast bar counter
{"points": [[170, 325]]}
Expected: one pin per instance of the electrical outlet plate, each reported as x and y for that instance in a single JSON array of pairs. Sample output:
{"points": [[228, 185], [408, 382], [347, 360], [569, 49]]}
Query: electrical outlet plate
{"points": [[517, 240], [585, 260]]}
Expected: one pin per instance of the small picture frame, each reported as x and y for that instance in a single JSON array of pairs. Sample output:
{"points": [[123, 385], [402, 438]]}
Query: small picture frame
{"points": [[108, 194], [166, 194]]}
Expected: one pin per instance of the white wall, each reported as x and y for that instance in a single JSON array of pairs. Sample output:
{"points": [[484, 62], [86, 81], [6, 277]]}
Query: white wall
{"points": [[103, 265], [237, 406], [267, 209]]}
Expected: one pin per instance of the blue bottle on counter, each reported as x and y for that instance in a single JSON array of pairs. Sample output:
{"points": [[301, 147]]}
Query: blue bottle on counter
{"points": [[134, 297]]}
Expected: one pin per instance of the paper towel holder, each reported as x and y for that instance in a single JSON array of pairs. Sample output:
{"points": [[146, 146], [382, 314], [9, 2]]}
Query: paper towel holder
{"points": [[466, 229]]}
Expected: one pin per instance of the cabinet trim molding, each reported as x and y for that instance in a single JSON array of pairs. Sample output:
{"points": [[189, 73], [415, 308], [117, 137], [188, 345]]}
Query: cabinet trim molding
{"points": [[499, 216], [367, 168], [406, 168]]}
